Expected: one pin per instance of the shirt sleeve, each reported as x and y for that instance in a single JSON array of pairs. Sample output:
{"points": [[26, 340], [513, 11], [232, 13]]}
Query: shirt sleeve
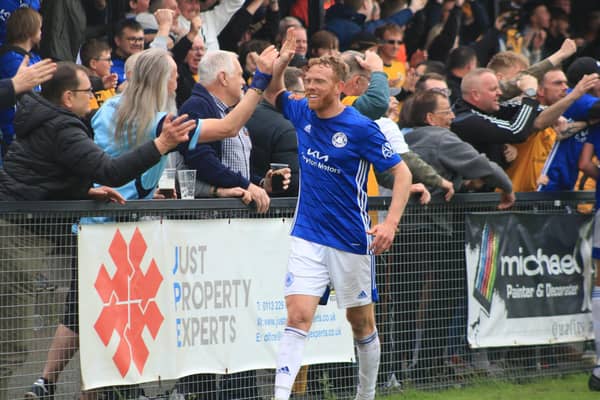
{"points": [[377, 150], [291, 108]]}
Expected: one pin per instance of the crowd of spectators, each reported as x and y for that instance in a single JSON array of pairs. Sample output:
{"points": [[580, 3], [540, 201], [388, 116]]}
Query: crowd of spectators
{"points": [[476, 95]]}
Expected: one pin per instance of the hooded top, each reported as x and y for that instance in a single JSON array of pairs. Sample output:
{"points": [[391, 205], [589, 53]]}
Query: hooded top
{"points": [[54, 158], [454, 159]]}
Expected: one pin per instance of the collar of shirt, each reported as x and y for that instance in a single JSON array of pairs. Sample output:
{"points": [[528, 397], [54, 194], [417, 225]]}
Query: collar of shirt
{"points": [[223, 108]]}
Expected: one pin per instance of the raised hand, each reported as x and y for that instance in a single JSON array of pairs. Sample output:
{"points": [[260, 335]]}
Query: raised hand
{"points": [[372, 62], [585, 84], [195, 25], [110, 81], [28, 77], [266, 59], [568, 48], [164, 19], [288, 48], [174, 131]]}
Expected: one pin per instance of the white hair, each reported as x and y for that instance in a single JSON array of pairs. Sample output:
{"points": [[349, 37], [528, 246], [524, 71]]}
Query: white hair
{"points": [[214, 62], [146, 94]]}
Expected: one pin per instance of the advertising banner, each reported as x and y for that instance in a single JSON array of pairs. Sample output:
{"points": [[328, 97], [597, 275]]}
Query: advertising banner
{"points": [[529, 278], [166, 299]]}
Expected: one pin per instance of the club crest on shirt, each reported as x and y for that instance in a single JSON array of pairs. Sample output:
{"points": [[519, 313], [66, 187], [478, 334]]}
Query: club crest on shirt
{"points": [[386, 150], [339, 139]]}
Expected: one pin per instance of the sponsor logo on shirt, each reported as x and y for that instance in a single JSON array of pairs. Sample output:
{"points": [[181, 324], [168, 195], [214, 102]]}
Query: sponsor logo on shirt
{"points": [[307, 128], [317, 154]]}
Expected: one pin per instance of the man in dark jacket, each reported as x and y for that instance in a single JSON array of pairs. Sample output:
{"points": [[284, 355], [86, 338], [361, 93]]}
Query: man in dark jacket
{"points": [[486, 124], [54, 158], [224, 163]]}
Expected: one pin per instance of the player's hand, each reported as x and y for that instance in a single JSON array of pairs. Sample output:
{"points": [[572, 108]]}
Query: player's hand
{"points": [[384, 237]]}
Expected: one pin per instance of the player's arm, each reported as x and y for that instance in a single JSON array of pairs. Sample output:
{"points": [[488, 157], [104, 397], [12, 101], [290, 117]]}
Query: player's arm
{"points": [[586, 165], [384, 232], [285, 55]]}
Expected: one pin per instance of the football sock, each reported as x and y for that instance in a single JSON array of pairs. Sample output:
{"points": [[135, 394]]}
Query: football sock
{"points": [[289, 358], [369, 352]]}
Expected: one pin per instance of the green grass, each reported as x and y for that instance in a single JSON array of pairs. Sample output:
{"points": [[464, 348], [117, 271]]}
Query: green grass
{"points": [[571, 387]]}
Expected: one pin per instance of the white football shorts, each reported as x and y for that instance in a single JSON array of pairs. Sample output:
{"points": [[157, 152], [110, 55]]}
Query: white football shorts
{"points": [[312, 267]]}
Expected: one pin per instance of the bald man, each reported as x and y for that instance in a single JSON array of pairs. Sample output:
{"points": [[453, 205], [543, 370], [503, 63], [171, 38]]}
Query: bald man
{"points": [[488, 125]]}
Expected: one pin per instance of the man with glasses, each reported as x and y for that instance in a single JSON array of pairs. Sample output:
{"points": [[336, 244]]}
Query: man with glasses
{"points": [[129, 39]]}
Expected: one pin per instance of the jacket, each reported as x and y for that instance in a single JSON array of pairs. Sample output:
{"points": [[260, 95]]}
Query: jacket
{"points": [[8, 97], [54, 158], [273, 141], [513, 123], [206, 157], [454, 159]]}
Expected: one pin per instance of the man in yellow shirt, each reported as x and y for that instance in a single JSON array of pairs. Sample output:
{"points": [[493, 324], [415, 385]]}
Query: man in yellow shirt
{"points": [[391, 38], [527, 168]]}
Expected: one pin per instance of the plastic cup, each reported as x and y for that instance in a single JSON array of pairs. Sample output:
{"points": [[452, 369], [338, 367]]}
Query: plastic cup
{"points": [[166, 183], [187, 183]]}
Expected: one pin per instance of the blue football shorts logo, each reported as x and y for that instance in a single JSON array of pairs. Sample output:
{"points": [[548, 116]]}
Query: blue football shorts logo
{"points": [[289, 279]]}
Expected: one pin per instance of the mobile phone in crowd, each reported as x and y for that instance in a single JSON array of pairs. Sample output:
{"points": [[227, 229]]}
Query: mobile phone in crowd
{"points": [[277, 178]]}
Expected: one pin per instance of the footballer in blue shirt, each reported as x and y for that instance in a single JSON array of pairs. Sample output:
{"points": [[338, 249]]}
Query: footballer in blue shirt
{"points": [[332, 241]]}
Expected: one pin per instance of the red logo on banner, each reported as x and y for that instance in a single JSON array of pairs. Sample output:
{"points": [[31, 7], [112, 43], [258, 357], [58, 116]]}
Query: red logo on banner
{"points": [[128, 298]]}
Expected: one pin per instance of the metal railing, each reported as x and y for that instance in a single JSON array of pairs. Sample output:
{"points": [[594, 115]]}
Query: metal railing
{"points": [[421, 315]]}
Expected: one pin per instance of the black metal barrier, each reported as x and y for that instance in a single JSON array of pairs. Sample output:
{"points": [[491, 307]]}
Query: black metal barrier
{"points": [[421, 315]]}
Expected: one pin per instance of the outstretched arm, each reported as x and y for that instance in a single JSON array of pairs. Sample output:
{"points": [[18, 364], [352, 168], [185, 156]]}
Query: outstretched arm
{"points": [[285, 55], [217, 129]]}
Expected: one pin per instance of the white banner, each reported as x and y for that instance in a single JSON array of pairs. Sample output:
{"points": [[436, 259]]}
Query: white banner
{"points": [[173, 298]]}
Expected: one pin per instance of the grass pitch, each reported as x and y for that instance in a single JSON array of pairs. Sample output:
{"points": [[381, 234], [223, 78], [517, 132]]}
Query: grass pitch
{"points": [[570, 387]]}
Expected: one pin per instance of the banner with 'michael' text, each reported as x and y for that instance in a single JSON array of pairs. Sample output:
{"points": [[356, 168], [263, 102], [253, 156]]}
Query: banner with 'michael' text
{"points": [[529, 278], [166, 299]]}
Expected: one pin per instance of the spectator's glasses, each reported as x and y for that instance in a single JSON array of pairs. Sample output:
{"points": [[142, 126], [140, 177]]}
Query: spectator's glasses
{"points": [[134, 39], [445, 91], [89, 91], [445, 112], [109, 59], [392, 41]]}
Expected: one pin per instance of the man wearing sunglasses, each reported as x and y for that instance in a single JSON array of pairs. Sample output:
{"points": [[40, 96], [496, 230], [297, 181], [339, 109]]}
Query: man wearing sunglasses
{"points": [[391, 39]]}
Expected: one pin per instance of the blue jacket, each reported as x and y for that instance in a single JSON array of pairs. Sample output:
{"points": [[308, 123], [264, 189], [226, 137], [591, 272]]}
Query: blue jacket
{"points": [[345, 23], [206, 157], [10, 60]]}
